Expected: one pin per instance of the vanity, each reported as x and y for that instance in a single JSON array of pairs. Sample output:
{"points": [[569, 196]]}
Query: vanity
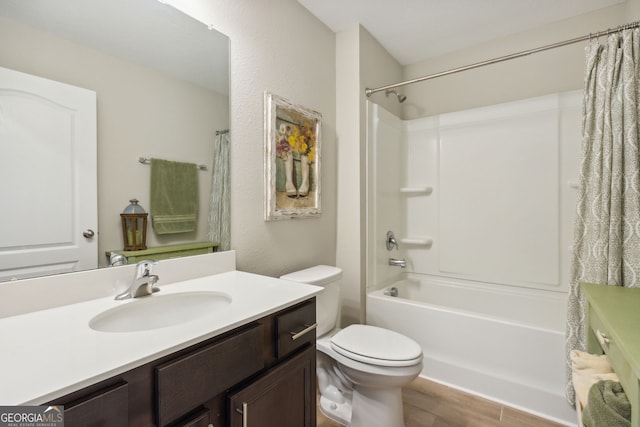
{"points": [[613, 316], [248, 360]]}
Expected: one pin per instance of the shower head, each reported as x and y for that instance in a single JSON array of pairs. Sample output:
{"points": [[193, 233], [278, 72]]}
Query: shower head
{"points": [[401, 97]]}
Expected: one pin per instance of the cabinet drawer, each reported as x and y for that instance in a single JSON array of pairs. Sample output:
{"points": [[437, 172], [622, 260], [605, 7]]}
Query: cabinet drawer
{"points": [[618, 362], [188, 381], [105, 408], [295, 328]]}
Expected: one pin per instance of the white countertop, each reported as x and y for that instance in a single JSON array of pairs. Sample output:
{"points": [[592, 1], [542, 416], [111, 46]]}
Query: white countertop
{"points": [[50, 353]]}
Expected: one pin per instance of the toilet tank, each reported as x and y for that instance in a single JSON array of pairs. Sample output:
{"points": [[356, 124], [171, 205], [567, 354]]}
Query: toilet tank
{"points": [[328, 300]]}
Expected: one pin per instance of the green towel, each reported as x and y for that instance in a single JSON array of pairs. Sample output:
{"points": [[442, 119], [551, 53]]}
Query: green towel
{"points": [[607, 406], [174, 196]]}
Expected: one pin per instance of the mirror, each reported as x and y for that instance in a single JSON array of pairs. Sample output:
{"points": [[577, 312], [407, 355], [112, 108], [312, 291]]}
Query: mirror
{"points": [[161, 81]]}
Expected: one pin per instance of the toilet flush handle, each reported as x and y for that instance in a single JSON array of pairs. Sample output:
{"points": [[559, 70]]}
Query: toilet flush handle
{"points": [[308, 328]]}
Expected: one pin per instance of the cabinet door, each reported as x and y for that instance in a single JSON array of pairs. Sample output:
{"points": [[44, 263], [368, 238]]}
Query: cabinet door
{"points": [[283, 397]]}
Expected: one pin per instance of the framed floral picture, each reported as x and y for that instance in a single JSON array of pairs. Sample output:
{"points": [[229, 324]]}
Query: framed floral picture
{"points": [[292, 160]]}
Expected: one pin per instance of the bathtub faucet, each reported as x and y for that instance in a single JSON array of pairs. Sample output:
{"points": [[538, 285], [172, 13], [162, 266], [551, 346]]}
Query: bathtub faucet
{"points": [[397, 262]]}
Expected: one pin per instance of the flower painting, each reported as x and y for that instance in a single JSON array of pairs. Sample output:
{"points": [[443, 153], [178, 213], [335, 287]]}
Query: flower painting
{"points": [[292, 160]]}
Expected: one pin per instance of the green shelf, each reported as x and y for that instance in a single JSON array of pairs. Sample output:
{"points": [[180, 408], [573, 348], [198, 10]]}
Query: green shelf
{"points": [[165, 252]]}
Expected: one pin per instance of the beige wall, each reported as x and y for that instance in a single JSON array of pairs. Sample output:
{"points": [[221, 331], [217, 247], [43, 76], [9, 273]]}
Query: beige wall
{"points": [[543, 73], [361, 62], [349, 210], [276, 46], [141, 112], [632, 10]]}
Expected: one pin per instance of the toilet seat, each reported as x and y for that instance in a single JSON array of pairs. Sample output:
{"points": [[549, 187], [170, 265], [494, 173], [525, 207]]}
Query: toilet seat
{"points": [[376, 346]]}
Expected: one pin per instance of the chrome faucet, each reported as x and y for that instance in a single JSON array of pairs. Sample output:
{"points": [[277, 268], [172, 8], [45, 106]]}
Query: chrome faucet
{"points": [[143, 282], [397, 262]]}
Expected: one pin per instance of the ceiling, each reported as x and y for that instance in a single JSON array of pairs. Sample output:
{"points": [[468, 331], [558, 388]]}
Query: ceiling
{"points": [[142, 31], [415, 30]]}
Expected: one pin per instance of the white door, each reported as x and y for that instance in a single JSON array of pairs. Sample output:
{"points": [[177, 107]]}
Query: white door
{"points": [[48, 184]]}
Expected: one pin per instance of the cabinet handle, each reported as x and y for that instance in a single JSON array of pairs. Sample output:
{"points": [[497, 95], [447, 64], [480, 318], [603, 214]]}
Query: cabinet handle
{"points": [[603, 338], [296, 335], [245, 414]]}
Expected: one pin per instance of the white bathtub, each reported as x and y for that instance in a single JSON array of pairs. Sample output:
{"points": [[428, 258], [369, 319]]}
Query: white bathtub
{"points": [[503, 343]]}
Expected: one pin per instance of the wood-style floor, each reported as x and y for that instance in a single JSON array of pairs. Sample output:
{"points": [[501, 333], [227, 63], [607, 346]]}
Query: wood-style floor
{"points": [[429, 404]]}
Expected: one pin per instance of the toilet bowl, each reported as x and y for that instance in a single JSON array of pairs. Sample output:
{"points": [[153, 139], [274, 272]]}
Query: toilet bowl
{"points": [[361, 369]]}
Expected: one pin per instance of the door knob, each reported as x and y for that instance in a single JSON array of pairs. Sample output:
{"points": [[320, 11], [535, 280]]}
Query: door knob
{"points": [[89, 233]]}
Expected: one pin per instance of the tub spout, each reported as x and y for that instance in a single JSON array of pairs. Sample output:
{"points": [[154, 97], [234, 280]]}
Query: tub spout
{"points": [[397, 262]]}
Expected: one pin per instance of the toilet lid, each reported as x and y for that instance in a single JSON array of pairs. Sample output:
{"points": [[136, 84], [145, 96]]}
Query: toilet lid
{"points": [[376, 346], [318, 275]]}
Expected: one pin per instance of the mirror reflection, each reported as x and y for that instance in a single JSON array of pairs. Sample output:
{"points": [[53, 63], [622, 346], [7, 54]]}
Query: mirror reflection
{"points": [[161, 91]]}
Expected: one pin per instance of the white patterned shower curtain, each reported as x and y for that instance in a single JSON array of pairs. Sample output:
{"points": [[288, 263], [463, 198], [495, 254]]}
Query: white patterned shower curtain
{"points": [[606, 247], [220, 200]]}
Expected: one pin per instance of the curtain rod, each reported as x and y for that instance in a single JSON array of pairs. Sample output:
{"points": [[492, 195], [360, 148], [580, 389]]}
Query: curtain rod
{"points": [[635, 24]]}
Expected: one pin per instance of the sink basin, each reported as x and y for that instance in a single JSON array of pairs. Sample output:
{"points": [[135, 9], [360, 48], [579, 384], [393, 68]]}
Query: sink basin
{"points": [[158, 311]]}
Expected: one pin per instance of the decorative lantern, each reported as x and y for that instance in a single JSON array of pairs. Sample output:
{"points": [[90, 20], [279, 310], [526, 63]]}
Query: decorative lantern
{"points": [[134, 227]]}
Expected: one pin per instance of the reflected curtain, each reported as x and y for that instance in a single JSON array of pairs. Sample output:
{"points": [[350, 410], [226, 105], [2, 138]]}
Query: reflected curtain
{"points": [[606, 246], [220, 200]]}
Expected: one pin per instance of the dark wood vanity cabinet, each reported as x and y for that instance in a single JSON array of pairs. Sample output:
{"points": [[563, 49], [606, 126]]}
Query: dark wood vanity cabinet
{"points": [[267, 365], [283, 397]]}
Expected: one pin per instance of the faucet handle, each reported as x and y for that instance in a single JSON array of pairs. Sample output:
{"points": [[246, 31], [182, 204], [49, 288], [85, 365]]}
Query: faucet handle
{"points": [[143, 268], [391, 241]]}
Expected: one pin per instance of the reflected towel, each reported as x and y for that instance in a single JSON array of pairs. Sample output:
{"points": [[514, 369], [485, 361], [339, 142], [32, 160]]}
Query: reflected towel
{"points": [[174, 196], [607, 405]]}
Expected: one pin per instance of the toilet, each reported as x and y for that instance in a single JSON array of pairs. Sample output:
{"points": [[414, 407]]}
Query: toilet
{"points": [[361, 369]]}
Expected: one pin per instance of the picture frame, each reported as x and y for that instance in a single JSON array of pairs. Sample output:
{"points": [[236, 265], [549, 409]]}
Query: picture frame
{"points": [[292, 159]]}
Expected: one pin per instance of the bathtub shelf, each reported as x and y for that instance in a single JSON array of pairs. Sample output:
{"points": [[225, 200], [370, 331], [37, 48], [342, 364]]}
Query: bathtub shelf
{"points": [[416, 190], [416, 241]]}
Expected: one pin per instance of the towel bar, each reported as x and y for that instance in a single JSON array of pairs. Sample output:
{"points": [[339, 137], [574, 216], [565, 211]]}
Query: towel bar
{"points": [[147, 161]]}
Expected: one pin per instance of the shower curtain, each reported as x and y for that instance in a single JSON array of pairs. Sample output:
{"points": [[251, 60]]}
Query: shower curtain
{"points": [[606, 247], [220, 200]]}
